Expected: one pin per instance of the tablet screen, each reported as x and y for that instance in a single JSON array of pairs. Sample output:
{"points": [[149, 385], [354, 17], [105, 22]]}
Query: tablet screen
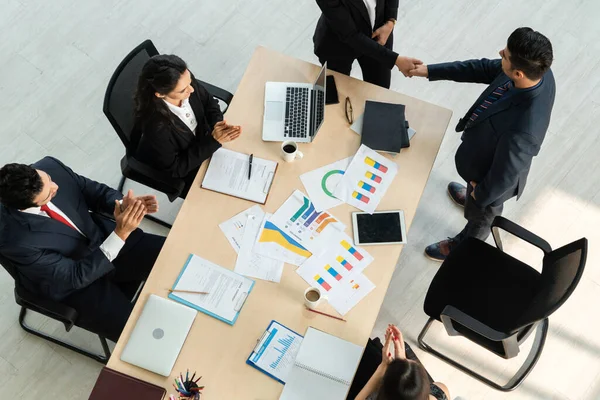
{"points": [[379, 228]]}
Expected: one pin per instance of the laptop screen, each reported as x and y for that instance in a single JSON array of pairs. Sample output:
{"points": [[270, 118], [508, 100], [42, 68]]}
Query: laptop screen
{"points": [[318, 101]]}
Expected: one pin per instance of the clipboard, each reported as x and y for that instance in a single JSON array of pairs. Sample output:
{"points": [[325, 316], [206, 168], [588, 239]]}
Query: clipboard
{"points": [[240, 301], [262, 343]]}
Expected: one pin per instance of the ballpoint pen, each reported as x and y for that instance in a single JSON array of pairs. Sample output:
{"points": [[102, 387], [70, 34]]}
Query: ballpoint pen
{"points": [[250, 166]]}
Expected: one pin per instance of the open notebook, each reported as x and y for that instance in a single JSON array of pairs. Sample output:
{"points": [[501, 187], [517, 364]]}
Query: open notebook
{"points": [[323, 369], [227, 173]]}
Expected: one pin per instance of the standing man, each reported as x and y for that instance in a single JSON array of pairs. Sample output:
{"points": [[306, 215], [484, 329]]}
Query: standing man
{"points": [[502, 132], [360, 30], [63, 252]]}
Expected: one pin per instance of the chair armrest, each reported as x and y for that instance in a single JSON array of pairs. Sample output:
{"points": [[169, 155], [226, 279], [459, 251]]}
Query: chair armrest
{"points": [[47, 307], [452, 314], [146, 175], [518, 231], [217, 92]]}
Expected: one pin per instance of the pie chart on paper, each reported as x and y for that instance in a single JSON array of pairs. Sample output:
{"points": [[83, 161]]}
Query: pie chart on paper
{"points": [[321, 182], [331, 178]]}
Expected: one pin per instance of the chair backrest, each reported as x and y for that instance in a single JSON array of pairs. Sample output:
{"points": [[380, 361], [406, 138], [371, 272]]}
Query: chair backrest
{"points": [[118, 100], [562, 270]]}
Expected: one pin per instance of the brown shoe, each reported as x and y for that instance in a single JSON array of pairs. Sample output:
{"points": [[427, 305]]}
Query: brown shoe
{"points": [[458, 193], [438, 251]]}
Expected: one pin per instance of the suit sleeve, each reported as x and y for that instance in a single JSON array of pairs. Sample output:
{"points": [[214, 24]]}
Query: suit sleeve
{"points": [[473, 71], [159, 147], [514, 153], [212, 110], [391, 10], [98, 196], [56, 275], [340, 21]]}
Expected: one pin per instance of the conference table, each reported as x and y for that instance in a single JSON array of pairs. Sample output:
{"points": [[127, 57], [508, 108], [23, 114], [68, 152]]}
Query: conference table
{"points": [[218, 351]]}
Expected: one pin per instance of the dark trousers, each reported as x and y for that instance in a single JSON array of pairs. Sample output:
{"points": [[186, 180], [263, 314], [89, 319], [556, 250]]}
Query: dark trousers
{"points": [[373, 71], [104, 306], [479, 220]]}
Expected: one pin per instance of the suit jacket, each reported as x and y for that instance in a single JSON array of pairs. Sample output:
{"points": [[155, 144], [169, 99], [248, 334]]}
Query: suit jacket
{"points": [[497, 149], [171, 146], [51, 258], [344, 30]]}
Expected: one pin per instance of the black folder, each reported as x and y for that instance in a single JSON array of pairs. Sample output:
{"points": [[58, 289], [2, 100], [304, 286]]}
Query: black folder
{"points": [[384, 127]]}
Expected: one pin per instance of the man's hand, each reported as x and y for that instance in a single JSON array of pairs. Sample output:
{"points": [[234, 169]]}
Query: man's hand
{"points": [[128, 220], [224, 133], [382, 33], [419, 70], [474, 185], [149, 201], [407, 64]]}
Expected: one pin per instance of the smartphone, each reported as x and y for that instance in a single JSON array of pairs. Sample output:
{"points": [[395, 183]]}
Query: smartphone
{"points": [[331, 94]]}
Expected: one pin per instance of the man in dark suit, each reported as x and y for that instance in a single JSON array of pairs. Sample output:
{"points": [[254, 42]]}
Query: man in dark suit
{"points": [[63, 252], [503, 130], [360, 30]]}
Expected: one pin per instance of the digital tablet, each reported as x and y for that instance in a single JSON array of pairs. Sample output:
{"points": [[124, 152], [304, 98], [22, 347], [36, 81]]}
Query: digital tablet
{"points": [[381, 227]]}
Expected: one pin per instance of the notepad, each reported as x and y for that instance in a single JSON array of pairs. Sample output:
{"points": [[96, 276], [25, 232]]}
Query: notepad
{"points": [[384, 127], [323, 369], [227, 290], [227, 173]]}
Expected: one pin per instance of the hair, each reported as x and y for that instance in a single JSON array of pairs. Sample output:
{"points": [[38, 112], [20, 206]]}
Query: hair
{"points": [[160, 74], [19, 184], [530, 52], [404, 380]]}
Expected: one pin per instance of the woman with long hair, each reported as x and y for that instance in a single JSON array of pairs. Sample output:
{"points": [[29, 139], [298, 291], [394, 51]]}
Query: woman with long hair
{"points": [[178, 123]]}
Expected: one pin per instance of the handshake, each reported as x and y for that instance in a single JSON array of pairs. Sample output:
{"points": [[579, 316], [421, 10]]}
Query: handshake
{"points": [[411, 67]]}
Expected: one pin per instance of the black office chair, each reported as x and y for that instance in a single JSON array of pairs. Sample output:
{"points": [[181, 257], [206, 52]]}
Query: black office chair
{"points": [[497, 301], [57, 311], [119, 109]]}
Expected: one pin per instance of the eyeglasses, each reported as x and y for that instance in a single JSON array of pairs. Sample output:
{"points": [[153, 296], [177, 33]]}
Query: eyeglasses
{"points": [[349, 113]]}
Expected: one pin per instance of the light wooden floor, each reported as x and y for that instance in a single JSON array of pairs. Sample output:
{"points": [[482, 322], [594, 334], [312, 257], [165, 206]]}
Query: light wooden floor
{"points": [[57, 56]]}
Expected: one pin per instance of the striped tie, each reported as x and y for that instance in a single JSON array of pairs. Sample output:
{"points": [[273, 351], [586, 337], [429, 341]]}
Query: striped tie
{"points": [[491, 99]]}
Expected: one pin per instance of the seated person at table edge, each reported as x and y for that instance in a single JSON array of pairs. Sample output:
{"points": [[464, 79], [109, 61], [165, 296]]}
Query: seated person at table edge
{"points": [[397, 377], [63, 252], [178, 124]]}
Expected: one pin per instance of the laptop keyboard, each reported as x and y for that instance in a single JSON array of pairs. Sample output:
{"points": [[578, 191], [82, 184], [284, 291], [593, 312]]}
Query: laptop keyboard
{"points": [[296, 109]]}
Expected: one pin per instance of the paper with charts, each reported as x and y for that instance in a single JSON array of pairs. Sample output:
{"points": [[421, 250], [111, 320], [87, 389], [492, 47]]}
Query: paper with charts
{"points": [[338, 273], [320, 183], [233, 228], [274, 243], [298, 218], [366, 180]]}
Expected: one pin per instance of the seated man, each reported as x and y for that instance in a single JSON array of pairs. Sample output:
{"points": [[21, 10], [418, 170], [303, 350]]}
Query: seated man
{"points": [[63, 252]]}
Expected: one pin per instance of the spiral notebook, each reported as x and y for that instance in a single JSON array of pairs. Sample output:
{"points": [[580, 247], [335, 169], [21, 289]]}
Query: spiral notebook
{"points": [[323, 369]]}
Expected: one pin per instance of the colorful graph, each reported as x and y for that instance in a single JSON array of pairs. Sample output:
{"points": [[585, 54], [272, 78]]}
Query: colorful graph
{"points": [[372, 163], [303, 208], [324, 181], [360, 197], [273, 234], [308, 214], [285, 344], [344, 263], [373, 177], [351, 250], [333, 272], [322, 282], [366, 187]]}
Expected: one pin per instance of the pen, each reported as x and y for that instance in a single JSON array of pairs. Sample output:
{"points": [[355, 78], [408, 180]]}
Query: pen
{"points": [[186, 291], [250, 166], [325, 314]]}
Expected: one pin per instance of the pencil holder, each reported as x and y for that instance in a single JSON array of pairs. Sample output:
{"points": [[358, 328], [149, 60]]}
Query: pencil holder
{"points": [[188, 388]]}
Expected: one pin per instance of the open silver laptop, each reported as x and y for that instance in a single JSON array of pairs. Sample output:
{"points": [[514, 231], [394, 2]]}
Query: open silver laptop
{"points": [[294, 111], [158, 335]]}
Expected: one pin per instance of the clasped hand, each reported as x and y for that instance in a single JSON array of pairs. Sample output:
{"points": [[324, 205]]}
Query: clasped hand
{"points": [[223, 132]]}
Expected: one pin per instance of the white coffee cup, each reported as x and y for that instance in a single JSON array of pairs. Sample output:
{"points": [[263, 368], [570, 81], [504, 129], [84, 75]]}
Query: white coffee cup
{"points": [[313, 297], [289, 151]]}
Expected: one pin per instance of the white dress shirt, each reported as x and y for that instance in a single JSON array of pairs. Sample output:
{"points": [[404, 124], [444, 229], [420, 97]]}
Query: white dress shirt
{"points": [[111, 246], [371, 4], [185, 113]]}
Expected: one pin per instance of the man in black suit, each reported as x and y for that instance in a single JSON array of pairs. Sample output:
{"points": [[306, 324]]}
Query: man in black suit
{"points": [[503, 130], [63, 252], [360, 30]]}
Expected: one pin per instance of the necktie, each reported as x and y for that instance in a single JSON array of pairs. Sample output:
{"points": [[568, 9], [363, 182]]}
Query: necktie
{"points": [[491, 99], [56, 216]]}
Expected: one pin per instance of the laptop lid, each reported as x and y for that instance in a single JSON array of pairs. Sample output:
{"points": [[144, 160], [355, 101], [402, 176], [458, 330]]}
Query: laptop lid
{"points": [[158, 335], [317, 107]]}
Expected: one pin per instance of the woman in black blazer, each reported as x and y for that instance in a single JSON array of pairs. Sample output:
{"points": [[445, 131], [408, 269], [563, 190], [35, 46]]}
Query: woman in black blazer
{"points": [[360, 30], [179, 124]]}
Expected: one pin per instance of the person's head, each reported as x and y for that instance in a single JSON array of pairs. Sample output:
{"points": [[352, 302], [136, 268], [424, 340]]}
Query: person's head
{"points": [[404, 380], [163, 77], [527, 55], [22, 186]]}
